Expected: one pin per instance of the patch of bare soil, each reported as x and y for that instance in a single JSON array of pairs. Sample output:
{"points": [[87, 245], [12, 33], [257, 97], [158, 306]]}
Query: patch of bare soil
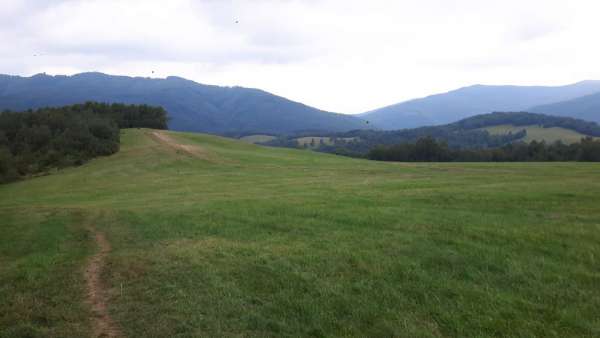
{"points": [[191, 150], [103, 325]]}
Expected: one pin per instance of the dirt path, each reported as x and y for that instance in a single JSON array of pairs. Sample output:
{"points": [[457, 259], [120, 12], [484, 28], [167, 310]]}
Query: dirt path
{"points": [[103, 325], [191, 150]]}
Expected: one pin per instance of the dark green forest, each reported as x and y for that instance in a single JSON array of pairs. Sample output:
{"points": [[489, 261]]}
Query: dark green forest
{"points": [[428, 149], [34, 142]]}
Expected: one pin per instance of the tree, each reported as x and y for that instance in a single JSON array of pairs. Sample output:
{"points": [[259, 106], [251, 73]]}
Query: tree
{"points": [[589, 150], [8, 170]]}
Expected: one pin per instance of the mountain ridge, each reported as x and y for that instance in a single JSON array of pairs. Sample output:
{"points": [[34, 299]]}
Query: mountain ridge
{"points": [[192, 106], [472, 100], [585, 107]]}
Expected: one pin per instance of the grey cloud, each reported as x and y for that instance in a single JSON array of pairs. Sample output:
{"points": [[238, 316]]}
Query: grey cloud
{"points": [[260, 41]]}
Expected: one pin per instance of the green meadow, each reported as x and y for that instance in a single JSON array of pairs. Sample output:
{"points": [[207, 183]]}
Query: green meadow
{"points": [[539, 133], [258, 138], [213, 237], [315, 141]]}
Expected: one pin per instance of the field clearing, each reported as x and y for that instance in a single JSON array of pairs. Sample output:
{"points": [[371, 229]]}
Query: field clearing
{"points": [[257, 138], [538, 133], [315, 141], [271, 242]]}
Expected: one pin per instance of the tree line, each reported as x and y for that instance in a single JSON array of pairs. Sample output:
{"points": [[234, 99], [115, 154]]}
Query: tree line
{"points": [[365, 140], [428, 149], [33, 142]]}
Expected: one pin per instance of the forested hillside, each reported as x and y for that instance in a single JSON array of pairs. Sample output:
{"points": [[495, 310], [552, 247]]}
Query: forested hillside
{"points": [[469, 133], [35, 141], [192, 106]]}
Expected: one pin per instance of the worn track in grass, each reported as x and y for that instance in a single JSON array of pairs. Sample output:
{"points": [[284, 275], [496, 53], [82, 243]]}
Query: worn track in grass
{"points": [[97, 297]]}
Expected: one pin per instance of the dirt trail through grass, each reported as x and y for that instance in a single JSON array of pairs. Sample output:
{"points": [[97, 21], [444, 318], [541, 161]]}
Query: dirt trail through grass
{"points": [[103, 325], [191, 150]]}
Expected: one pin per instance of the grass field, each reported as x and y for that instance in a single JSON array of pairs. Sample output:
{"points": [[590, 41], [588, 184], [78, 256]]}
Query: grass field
{"points": [[538, 133], [215, 237]]}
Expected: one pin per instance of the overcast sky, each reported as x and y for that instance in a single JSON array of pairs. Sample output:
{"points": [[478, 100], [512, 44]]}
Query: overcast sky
{"points": [[339, 55]]}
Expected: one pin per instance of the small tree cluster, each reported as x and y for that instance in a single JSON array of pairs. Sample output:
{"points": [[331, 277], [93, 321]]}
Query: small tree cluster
{"points": [[35, 141]]}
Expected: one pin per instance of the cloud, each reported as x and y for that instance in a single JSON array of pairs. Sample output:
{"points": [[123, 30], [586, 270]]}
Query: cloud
{"points": [[346, 56], [532, 31]]}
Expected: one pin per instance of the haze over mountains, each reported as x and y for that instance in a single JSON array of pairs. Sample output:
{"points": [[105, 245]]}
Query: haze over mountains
{"points": [[191, 106], [237, 111], [479, 99], [585, 107]]}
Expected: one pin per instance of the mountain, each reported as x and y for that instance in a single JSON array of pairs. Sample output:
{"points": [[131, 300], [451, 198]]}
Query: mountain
{"points": [[192, 106], [469, 101], [585, 107]]}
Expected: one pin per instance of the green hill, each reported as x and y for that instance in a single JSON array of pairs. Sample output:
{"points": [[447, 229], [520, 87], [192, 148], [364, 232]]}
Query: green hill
{"points": [[199, 235]]}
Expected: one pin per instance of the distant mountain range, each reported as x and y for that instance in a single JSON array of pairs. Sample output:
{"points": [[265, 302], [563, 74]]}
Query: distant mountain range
{"points": [[479, 99], [239, 111], [585, 107], [192, 106]]}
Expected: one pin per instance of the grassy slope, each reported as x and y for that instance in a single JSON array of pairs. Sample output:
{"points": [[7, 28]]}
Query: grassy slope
{"points": [[279, 242], [539, 133]]}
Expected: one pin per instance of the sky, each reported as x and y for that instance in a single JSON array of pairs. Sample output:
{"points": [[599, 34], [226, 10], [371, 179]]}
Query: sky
{"points": [[344, 56]]}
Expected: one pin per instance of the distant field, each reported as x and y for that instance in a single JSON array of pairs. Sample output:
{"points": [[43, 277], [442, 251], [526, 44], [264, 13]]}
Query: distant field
{"points": [[213, 237], [316, 141], [539, 133], [257, 138]]}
